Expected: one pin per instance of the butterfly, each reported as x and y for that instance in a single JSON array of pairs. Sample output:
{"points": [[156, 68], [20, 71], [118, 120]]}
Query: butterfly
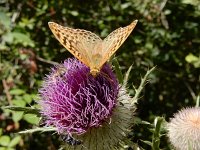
{"points": [[88, 47]]}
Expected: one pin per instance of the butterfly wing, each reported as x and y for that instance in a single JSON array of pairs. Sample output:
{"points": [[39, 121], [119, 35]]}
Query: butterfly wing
{"points": [[114, 40], [81, 43]]}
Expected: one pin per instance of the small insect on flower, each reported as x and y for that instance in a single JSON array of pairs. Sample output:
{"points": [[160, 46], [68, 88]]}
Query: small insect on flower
{"points": [[70, 140], [89, 48], [59, 72]]}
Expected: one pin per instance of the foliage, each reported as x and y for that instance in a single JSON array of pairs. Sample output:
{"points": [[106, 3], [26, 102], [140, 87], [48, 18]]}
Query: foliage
{"points": [[166, 36]]}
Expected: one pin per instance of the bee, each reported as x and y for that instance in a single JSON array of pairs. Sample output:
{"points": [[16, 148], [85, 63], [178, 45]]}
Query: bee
{"points": [[61, 70], [70, 140]]}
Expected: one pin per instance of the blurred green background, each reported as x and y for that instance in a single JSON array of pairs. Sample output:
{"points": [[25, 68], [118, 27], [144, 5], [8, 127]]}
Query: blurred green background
{"points": [[167, 36]]}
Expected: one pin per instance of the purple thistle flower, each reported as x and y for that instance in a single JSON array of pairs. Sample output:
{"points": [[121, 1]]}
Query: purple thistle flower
{"points": [[95, 112], [73, 101]]}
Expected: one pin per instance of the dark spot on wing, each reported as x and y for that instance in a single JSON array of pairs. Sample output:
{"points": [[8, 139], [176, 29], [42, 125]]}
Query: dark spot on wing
{"points": [[58, 35], [70, 41], [64, 40]]}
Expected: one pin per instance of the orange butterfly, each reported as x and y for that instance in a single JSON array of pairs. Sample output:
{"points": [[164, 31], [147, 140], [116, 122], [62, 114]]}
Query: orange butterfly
{"points": [[88, 47]]}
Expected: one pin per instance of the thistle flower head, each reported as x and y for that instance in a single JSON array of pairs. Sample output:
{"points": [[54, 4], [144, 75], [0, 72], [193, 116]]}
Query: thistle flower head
{"points": [[73, 100], [184, 129], [93, 110]]}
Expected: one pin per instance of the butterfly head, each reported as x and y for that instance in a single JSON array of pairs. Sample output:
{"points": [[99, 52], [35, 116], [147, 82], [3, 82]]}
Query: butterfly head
{"points": [[94, 72]]}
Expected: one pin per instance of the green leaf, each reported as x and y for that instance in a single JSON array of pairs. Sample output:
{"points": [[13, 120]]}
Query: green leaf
{"points": [[4, 140], [74, 13], [20, 103], [27, 98], [3, 47], [1, 131], [20, 38], [14, 141], [138, 120], [8, 37], [17, 92], [31, 118], [23, 56], [147, 142], [191, 58], [5, 19], [10, 148], [3, 148], [126, 5], [34, 96], [191, 2], [27, 22], [17, 116]]}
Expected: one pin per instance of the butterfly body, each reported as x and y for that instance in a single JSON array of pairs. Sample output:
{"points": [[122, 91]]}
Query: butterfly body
{"points": [[94, 71], [89, 48]]}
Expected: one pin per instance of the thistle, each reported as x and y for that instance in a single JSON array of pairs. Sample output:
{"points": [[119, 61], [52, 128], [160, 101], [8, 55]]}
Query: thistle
{"points": [[89, 112], [74, 101], [184, 129]]}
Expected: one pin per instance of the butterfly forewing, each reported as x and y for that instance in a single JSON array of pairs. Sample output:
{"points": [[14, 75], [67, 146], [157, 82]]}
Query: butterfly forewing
{"points": [[114, 40], [81, 43]]}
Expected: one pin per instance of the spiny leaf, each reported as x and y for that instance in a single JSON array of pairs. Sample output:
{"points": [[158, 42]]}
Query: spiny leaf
{"points": [[118, 70], [39, 129], [127, 76], [141, 86], [26, 110]]}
